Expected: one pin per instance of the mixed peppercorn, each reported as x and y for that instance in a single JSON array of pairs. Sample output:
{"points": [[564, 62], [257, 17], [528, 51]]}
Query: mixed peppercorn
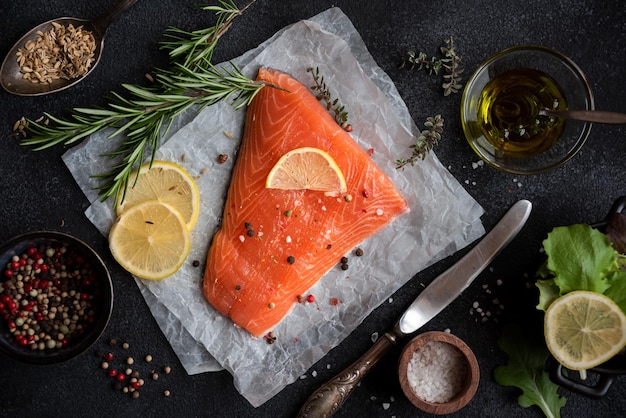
{"points": [[129, 376], [47, 296]]}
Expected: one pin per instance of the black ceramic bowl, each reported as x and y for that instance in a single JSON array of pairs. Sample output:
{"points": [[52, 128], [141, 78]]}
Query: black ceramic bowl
{"points": [[56, 297]]}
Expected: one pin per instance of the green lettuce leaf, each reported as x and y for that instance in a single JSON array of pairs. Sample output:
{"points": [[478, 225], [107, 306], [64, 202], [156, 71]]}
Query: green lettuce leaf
{"points": [[548, 292], [617, 291], [580, 258], [525, 370]]}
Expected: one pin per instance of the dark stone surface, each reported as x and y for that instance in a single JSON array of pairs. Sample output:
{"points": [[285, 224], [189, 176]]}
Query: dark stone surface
{"points": [[38, 192]]}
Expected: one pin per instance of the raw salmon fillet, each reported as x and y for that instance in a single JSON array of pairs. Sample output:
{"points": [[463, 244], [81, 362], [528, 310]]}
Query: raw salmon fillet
{"points": [[296, 235]]}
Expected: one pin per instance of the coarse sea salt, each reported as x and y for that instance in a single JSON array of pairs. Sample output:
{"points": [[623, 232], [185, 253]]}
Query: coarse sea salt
{"points": [[436, 372]]}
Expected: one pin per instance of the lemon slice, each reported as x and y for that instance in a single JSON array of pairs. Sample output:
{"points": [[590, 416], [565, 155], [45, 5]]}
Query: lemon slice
{"points": [[166, 182], [584, 329], [307, 168], [150, 240]]}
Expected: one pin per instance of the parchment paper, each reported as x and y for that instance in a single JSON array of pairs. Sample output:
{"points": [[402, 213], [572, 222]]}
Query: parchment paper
{"points": [[443, 219]]}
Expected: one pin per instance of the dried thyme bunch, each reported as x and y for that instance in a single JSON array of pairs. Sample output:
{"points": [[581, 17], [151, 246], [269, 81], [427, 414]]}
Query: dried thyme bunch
{"points": [[425, 142], [450, 62], [148, 113]]}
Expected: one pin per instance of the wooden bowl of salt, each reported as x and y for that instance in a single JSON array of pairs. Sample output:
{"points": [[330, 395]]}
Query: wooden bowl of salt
{"points": [[438, 372]]}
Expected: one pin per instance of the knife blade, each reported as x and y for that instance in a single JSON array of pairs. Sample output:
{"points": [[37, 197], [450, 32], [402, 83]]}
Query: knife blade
{"points": [[327, 400]]}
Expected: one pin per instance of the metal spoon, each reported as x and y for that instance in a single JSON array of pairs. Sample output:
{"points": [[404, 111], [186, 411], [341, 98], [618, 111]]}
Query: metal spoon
{"points": [[10, 75], [596, 116]]}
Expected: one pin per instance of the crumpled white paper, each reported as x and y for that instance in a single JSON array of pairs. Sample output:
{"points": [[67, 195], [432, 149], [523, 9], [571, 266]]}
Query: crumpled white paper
{"points": [[443, 219]]}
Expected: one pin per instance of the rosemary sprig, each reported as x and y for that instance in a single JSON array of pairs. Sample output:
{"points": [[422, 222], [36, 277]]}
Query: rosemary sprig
{"points": [[425, 142], [149, 112], [332, 105], [145, 117], [196, 47], [450, 62]]}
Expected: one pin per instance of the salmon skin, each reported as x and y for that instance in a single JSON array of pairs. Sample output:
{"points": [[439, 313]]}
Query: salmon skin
{"points": [[273, 245]]}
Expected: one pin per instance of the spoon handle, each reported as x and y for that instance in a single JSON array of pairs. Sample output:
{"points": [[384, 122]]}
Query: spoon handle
{"points": [[103, 21], [597, 116], [329, 397]]}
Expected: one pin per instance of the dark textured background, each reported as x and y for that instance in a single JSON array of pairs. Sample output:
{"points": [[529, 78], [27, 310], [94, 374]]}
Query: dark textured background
{"points": [[38, 192]]}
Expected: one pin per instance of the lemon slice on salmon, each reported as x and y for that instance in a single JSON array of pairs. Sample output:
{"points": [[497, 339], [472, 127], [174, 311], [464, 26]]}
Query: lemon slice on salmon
{"points": [[165, 182], [307, 169], [150, 240], [584, 329]]}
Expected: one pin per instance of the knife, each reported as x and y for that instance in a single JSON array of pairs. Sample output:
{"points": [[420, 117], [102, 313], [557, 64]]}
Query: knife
{"points": [[327, 399]]}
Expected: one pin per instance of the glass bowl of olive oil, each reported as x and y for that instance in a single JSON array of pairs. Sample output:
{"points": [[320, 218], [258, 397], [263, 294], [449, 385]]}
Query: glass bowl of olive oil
{"points": [[501, 103]]}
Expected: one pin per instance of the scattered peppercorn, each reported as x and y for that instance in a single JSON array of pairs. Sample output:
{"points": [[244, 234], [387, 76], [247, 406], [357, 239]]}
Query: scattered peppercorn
{"points": [[291, 259], [148, 358], [130, 360], [288, 213], [310, 298], [365, 193], [300, 299], [270, 337], [271, 305], [358, 252], [344, 263], [195, 263], [104, 365], [237, 287], [166, 393], [167, 369], [348, 197], [222, 158], [125, 346], [250, 232], [135, 395]]}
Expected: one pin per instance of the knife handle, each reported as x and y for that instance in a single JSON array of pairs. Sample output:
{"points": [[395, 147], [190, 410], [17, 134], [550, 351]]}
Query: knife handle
{"points": [[326, 400]]}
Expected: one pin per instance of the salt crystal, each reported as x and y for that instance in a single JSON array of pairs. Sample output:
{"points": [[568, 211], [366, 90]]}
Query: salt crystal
{"points": [[288, 239], [379, 212], [314, 373], [390, 300], [386, 405], [436, 371], [242, 238], [374, 337]]}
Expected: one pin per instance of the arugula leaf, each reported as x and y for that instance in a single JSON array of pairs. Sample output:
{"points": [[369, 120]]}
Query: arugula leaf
{"points": [[580, 258], [525, 370]]}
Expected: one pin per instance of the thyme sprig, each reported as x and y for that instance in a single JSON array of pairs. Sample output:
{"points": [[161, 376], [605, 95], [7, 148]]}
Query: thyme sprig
{"points": [[451, 62], [148, 113], [425, 142], [322, 93]]}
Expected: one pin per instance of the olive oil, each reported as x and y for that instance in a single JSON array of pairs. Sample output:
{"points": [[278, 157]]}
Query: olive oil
{"points": [[508, 112]]}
